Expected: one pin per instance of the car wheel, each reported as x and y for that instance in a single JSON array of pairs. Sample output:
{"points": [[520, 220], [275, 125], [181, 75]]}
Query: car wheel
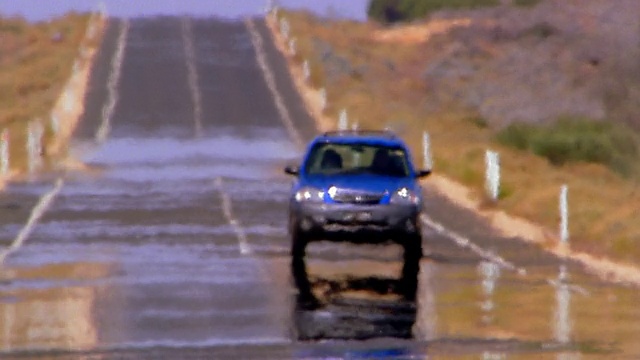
{"points": [[299, 242], [412, 245]]}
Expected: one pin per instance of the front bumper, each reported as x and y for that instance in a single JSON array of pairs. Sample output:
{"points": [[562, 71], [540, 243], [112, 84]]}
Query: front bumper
{"points": [[337, 220]]}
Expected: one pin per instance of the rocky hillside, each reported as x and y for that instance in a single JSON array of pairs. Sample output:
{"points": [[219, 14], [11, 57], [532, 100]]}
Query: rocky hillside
{"points": [[535, 64]]}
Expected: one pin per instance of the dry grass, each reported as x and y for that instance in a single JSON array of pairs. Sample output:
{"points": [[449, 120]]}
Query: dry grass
{"points": [[380, 84], [35, 63]]}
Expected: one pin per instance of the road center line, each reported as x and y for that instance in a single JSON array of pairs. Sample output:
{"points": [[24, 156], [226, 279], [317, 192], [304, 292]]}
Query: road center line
{"points": [[36, 213], [192, 74], [227, 210], [269, 77]]}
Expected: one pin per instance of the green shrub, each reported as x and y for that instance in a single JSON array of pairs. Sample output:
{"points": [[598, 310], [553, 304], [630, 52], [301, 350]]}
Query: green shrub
{"points": [[516, 135], [478, 121], [541, 30], [526, 3], [387, 11], [13, 26], [574, 140], [390, 11], [505, 191]]}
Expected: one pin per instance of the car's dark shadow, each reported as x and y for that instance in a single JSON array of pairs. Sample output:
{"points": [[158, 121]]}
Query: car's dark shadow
{"points": [[381, 307]]}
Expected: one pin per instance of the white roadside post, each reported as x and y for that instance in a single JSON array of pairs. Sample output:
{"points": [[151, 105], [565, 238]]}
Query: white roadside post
{"points": [[564, 216], [55, 124], [562, 314], [292, 47], [357, 157], [284, 28], [102, 9], [492, 175], [426, 151], [90, 33], [269, 7], [67, 99], [4, 153], [343, 121], [323, 99], [75, 68], [490, 273], [34, 145], [306, 71]]}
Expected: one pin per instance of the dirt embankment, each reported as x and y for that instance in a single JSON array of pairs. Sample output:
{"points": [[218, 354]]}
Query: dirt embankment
{"points": [[69, 106], [561, 57]]}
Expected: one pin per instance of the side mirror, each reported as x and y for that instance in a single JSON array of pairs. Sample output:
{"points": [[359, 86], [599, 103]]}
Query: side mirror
{"points": [[423, 173], [292, 170]]}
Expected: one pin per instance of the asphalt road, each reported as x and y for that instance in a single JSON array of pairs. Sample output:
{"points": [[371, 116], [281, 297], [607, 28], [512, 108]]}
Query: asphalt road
{"points": [[172, 242]]}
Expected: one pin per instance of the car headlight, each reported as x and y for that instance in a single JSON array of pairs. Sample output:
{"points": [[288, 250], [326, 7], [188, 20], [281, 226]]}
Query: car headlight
{"points": [[405, 196], [309, 194]]}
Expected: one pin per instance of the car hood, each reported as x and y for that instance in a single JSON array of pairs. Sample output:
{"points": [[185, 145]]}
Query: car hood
{"points": [[369, 183]]}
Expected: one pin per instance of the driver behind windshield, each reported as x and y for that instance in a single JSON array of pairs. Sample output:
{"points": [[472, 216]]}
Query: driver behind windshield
{"points": [[385, 164]]}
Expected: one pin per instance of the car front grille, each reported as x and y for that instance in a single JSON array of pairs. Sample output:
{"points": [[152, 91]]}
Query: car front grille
{"points": [[357, 197]]}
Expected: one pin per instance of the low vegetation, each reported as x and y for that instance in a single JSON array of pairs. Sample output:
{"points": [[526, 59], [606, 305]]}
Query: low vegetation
{"points": [[393, 11], [35, 62], [390, 11], [578, 140], [467, 85]]}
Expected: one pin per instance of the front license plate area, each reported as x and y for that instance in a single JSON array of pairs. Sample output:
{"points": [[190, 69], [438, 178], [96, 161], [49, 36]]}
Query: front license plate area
{"points": [[357, 216], [363, 216]]}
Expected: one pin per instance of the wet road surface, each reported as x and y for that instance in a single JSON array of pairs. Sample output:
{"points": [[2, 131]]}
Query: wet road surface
{"points": [[172, 243]]}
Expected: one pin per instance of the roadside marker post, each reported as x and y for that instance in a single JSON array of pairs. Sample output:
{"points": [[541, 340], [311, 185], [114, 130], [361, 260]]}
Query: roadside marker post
{"points": [[67, 99], [292, 47], [343, 121], [426, 151], [55, 124], [4, 152], [562, 315], [268, 9], [564, 215], [90, 33], [34, 145], [102, 9], [306, 71], [75, 68], [492, 175], [490, 273], [323, 99], [284, 28]]}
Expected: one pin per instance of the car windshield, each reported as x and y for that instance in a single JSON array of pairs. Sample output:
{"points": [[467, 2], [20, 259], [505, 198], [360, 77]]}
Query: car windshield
{"points": [[339, 158]]}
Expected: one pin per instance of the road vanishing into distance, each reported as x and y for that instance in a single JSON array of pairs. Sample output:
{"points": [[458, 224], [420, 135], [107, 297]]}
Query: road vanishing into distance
{"points": [[171, 242]]}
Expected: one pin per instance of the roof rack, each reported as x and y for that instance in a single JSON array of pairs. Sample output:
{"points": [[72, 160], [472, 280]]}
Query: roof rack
{"points": [[354, 132]]}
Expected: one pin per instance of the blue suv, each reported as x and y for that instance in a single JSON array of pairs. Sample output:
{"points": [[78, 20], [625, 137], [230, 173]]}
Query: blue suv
{"points": [[357, 186]]}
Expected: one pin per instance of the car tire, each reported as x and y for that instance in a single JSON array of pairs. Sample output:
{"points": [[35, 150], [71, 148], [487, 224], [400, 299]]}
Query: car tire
{"points": [[412, 245], [299, 241]]}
